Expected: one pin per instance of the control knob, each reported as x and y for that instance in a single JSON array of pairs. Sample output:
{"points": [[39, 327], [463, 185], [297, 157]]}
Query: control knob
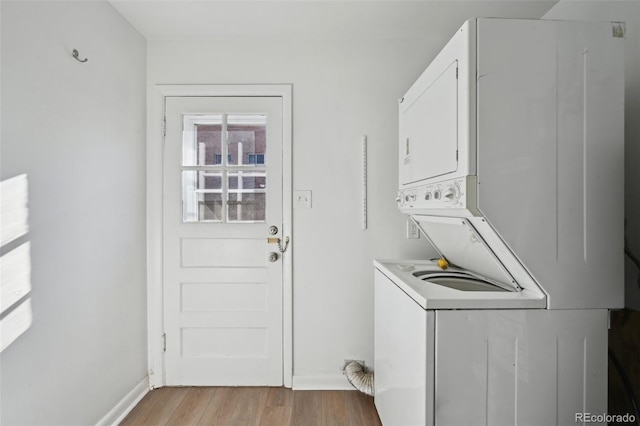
{"points": [[453, 193]]}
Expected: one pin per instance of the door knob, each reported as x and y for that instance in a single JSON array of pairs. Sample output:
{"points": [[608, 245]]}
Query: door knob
{"points": [[273, 256]]}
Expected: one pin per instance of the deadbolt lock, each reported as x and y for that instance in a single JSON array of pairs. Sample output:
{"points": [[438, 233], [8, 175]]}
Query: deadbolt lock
{"points": [[273, 256], [273, 230]]}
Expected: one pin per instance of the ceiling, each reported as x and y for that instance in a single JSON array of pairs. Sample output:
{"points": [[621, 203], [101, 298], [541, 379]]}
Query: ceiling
{"points": [[313, 19]]}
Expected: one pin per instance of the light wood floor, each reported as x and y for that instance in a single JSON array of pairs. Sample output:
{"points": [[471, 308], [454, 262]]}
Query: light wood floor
{"points": [[252, 406]]}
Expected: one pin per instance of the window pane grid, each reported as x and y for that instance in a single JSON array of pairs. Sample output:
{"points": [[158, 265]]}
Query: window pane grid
{"points": [[223, 168], [202, 196]]}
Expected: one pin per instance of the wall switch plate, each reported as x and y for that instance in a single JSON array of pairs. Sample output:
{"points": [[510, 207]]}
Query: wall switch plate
{"points": [[412, 230], [302, 199]]}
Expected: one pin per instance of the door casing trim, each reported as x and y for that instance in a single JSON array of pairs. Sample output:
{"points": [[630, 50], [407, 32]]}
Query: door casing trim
{"points": [[155, 126]]}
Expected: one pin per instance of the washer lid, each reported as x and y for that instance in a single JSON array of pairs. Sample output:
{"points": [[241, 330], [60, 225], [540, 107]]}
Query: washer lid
{"points": [[457, 241]]}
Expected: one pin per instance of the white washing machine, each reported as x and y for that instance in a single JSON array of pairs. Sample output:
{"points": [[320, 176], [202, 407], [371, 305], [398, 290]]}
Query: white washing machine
{"points": [[510, 163], [482, 366]]}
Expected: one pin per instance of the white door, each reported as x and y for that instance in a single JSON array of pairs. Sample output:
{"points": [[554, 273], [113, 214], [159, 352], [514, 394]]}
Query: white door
{"points": [[222, 184]]}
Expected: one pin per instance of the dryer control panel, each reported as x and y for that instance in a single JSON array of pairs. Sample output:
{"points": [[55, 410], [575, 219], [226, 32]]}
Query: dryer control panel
{"points": [[455, 197]]}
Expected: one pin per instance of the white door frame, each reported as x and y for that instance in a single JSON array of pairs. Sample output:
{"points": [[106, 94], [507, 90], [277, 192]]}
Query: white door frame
{"points": [[155, 141]]}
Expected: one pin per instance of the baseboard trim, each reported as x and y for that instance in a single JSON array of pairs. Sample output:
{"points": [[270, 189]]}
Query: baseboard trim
{"points": [[126, 404], [321, 382]]}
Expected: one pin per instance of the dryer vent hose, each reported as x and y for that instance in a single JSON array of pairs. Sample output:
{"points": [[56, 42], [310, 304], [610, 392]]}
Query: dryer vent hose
{"points": [[359, 377]]}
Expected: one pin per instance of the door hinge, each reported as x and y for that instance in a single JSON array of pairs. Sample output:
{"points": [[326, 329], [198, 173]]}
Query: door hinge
{"points": [[456, 155], [164, 342], [456, 73], [164, 126]]}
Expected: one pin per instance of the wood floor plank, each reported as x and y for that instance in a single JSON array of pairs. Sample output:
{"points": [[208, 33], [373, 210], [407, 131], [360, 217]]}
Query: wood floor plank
{"points": [[307, 408], [167, 403], [249, 406], [277, 408], [161, 407], [275, 416], [334, 409], [361, 410], [221, 406], [143, 410], [192, 407], [280, 397]]}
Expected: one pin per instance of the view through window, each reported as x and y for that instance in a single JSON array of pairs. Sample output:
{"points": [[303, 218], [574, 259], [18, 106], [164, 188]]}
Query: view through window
{"points": [[224, 168]]}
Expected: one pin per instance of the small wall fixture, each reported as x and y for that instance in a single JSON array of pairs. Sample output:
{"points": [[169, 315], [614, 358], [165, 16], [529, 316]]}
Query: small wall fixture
{"points": [[364, 182], [76, 54]]}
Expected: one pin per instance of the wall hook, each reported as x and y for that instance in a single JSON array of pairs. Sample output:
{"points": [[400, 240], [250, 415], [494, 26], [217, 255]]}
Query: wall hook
{"points": [[75, 54]]}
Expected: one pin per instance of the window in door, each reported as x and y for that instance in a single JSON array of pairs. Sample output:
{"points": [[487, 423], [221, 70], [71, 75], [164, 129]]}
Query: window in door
{"points": [[229, 191]]}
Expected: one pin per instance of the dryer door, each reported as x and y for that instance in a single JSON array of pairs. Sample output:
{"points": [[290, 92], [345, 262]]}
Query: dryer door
{"points": [[429, 128]]}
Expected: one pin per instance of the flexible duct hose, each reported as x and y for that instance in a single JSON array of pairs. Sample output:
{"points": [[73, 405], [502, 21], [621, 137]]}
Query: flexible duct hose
{"points": [[359, 378]]}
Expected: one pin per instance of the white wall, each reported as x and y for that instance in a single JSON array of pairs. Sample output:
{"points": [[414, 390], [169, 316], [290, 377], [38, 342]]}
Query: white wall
{"points": [[628, 12], [342, 89], [78, 133]]}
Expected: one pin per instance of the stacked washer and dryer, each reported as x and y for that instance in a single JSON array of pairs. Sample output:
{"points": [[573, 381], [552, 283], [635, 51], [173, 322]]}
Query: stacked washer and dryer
{"points": [[511, 165]]}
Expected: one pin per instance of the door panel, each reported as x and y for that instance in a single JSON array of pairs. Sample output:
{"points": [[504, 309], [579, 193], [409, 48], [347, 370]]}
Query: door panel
{"points": [[229, 252], [222, 180], [213, 297]]}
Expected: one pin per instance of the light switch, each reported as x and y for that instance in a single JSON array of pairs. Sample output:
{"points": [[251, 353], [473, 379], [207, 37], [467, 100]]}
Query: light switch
{"points": [[302, 199]]}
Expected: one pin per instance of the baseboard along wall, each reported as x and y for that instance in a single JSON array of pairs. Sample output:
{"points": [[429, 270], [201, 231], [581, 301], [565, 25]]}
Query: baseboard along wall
{"points": [[126, 404]]}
